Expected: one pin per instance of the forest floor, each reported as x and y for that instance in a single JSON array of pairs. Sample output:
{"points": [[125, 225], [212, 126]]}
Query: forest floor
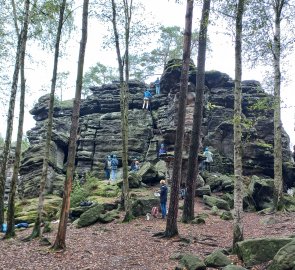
{"points": [[132, 245]]}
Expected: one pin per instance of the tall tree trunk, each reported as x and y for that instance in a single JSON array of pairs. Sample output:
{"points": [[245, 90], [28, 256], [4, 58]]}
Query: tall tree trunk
{"points": [[124, 113], [193, 165], [278, 177], [11, 208], [238, 189], [37, 229], [171, 226], [9, 127], [124, 92], [60, 241]]}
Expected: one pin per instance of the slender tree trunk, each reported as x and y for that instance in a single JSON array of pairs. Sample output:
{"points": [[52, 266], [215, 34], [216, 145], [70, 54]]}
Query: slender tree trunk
{"points": [[278, 177], [193, 165], [171, 226], [124, 108], [60, 241], [37, 229], [238, 189], [11, 208], [124, 92], [10, 118]]}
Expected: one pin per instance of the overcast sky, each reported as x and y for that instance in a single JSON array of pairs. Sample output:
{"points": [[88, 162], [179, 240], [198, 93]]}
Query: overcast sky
{"points": [[166, 12]]}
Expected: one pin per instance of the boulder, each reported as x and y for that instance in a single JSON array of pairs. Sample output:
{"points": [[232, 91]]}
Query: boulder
{"points": [[219, 182], [226, 215], [285, 258], [215, 201], [26, 210], [200, 181], [261, 190], [148, 173], [134, 180], [233, 267], [217, 259], [108, 216], [90, 216], [192, 262], [205, 190], [229, 197], [142, 206], [260, 250], [288, 203]]}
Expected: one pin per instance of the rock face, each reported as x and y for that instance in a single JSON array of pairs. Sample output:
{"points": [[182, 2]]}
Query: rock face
{"points": [[100, 129]]}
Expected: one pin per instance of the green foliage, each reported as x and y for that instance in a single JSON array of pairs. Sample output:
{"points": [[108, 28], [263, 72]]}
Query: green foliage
{"points": [[78, 194], [92, 187], [44, 20], [262, 104], [97, 75], [264, 145], [247, 123]]}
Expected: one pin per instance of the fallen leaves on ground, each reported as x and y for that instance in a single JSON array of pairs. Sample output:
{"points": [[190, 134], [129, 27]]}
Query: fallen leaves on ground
{"points": [[132, 246]]}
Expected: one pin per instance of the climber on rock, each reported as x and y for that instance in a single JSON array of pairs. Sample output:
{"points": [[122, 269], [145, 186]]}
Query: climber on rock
{"points": [[146, 99]]}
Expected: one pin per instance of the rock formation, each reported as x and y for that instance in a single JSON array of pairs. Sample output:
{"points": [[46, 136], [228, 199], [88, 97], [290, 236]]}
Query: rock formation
{"points": [[100, 131]]}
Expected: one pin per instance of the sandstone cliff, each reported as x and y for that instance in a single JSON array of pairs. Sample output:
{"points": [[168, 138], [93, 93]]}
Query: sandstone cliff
{"points": [[100, 132]]}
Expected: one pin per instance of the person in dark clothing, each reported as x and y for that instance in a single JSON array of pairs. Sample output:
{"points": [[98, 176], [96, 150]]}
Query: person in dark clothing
{"points": [[163, 198], [293, 154], [182, 192], [135, 165]]}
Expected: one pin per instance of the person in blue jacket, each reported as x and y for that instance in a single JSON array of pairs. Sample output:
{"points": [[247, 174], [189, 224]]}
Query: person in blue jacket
{"points": [[146, 99]]}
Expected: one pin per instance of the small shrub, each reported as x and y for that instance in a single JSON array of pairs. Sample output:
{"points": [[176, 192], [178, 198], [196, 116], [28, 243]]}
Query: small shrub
{"points": [[78, 194]]}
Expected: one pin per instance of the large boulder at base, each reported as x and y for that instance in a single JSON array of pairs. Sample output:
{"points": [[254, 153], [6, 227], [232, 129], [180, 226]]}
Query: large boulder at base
{"points": [[134, 180], [288, 203], [215, 201], [205, 190], [233, 267], [76, 212], [285, 258], [217, 259], [91, 215], [142, 206], [26, 210], [226, 215], [161, 169], [149, 173], [108, 216], [192, 262], [219, 182], [200, 181], [256, 251], [261, 190]]}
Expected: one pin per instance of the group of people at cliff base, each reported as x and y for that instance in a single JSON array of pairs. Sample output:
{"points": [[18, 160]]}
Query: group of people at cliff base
{"points": [[110, 168], [147, 95]]}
